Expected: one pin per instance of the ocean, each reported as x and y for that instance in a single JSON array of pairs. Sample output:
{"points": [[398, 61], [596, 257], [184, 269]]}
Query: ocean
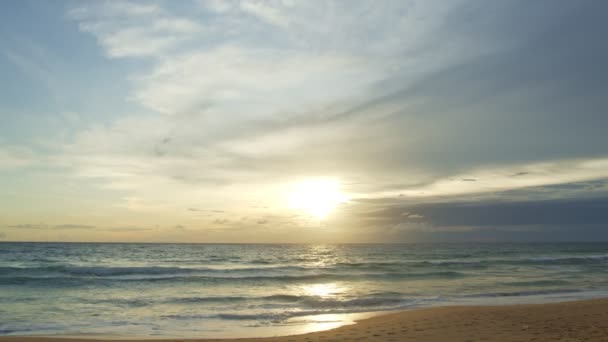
{"points": [[218, 290]]}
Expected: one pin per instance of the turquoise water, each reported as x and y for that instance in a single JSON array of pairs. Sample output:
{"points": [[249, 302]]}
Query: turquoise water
{"points": [[232, 289]]}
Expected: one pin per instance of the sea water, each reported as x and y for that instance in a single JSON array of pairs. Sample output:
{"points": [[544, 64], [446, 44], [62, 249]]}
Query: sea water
{"points": [[214, 290]]}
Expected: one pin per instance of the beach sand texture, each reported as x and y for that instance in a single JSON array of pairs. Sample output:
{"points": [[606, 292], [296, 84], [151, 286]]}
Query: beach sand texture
{"points": [[568, 321]]}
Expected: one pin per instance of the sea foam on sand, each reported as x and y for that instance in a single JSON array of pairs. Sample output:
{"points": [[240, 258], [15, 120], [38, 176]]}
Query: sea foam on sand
{"points": [[567, 321]]}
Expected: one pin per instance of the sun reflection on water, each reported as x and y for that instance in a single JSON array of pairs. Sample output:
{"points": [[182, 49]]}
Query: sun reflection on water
{"points": [[322, 322], [308, 324], [322, 290]]}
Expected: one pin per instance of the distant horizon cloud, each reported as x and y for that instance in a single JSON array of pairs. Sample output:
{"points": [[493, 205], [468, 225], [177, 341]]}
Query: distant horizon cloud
{"points": [[200, 114]]}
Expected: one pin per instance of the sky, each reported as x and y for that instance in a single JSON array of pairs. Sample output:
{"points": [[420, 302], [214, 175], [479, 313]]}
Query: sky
{"points": [[304, 121]]}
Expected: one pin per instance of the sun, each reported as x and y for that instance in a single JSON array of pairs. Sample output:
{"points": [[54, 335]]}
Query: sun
{"points": [[316, 197]]}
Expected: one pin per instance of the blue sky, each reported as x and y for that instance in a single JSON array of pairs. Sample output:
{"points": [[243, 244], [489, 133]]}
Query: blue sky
{"points": [[200, 120]]}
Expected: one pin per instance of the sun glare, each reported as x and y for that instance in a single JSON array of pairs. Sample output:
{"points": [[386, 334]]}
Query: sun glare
{"points": [[316, 197]]}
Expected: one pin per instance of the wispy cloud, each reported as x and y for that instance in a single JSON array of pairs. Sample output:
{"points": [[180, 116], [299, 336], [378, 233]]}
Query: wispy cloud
{"points": [[359, 80], [495, 179], [134, 29], [47, 226], [401, 101], [77, 227]]}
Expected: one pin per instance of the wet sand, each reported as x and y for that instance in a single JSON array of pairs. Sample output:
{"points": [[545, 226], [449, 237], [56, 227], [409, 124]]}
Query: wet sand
{"points": [[568, 321]]}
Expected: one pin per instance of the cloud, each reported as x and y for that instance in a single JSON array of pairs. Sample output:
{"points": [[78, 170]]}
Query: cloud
{"points": [[47, 226], [264, 101], [127, 229], [28, 226], [75, 227], [250, 83], [410, 216], [521, 213], [501, 178], [266, 12], [519, 174], [495, 219], [402, 101], [134, 29], [207, 210]]}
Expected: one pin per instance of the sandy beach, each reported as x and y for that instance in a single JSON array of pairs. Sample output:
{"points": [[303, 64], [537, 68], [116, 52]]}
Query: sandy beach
{"points": [[567, 321]]}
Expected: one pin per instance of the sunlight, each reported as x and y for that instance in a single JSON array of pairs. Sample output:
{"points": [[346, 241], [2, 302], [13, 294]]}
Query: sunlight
{"points": [[321, 290], [308, 324], [316, 197]]}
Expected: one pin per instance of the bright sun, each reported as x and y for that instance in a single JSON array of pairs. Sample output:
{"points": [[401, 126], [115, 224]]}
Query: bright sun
{"points": [[316, 197]]}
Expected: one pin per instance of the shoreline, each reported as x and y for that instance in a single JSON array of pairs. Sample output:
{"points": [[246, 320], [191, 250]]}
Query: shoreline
{"points": [[568, 320]]}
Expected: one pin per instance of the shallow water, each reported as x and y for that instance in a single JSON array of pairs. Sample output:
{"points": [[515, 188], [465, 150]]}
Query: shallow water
{"points": [[235, 289]]}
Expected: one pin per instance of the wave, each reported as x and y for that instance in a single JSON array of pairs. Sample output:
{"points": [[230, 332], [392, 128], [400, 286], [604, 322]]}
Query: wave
{"points": [[480, 263], [377, 299], [532, 260], [540, 282], [14, 275], [311, 305], [101, 271], [569, 259], [365, 302], [89, 270], [280, 316], [523, 293], [229, 278], [297, 305], [265, 267]]}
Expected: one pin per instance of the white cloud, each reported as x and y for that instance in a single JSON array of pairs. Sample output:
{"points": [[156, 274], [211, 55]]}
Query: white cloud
{"points": [[509, 177], [313, 55], [134, 30], [246, 95], [266, 12], [114, 8], [252, 84], [217, 6]]}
